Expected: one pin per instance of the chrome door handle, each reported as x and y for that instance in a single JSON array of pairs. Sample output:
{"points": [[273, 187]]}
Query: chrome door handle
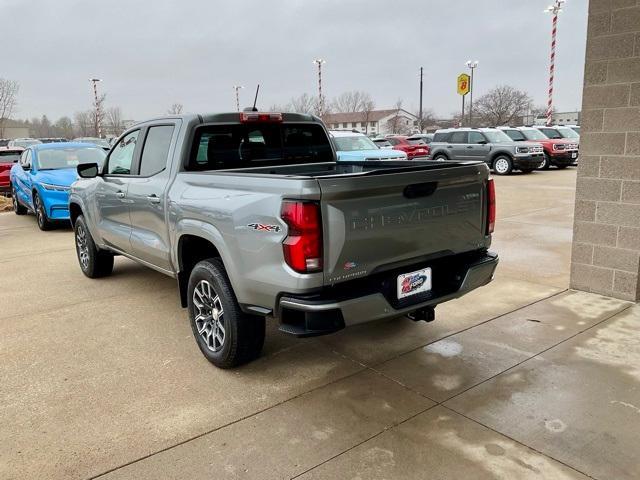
{"points": [[120, 194], [153, 198]]}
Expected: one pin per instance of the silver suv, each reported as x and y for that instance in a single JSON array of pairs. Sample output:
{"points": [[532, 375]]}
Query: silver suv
{"points": [[490, 145]]}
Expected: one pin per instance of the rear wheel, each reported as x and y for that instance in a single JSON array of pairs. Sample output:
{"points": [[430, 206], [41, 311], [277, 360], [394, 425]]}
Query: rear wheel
{"points": [[94, 263], [41, 215], [17, 207], [546, 162], [226, 335], [502, 165], [440, 157]]}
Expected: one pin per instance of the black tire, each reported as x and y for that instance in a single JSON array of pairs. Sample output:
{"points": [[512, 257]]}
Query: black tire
{"points": [[502, 165], [242, 334], [546, 163], [440, 157], [527, 170], [97, 263], [561, 167], [18, 208], [44, 223]]}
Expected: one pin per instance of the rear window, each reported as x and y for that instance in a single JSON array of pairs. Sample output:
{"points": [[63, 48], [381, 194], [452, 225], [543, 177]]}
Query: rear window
{"points": [[416, 141], [9, 157], [219, 147], [382, 143], [440, 137]]}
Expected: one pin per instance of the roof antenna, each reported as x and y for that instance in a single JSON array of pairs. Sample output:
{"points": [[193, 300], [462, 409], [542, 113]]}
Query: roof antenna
{"points": [[255, 100]]}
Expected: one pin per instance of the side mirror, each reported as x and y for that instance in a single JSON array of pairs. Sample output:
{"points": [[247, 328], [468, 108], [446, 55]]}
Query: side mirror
{"points": [[87, 170]]}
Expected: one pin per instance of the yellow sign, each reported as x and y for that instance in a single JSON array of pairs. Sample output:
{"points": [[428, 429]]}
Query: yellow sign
{"points": [[463, 84]]}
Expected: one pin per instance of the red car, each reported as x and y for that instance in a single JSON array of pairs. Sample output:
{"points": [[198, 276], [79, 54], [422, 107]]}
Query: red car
{"points": [[560, 152], [8, 156], [414, 148]]}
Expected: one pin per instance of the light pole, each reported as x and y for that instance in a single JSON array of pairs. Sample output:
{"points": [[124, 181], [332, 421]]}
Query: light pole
{"points": [[472, 65], [97, 106], [237, 89], [555, 9], [420, 119], [319, 62]]}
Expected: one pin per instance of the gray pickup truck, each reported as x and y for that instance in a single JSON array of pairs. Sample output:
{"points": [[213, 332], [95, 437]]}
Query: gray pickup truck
{"points": [[253, 216]]}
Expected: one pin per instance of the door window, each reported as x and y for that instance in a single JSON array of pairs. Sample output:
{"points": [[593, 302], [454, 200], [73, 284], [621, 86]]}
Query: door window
{"points": [[156, 150], [476, 137], [25, 160], [121, 156], [458, 137]]}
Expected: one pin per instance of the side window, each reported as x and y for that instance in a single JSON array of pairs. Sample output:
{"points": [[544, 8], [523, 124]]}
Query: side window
{"points": [[121, 156], [393, 141], [458, 137], [26, 159], [156, 150], [476, 137]]}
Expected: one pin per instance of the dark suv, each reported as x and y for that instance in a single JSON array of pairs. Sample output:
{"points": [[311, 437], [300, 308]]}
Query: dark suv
{"points": [[490, 145]]}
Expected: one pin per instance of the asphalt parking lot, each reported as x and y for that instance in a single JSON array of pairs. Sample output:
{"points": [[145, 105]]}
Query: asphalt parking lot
{"points": [[520, 379]]}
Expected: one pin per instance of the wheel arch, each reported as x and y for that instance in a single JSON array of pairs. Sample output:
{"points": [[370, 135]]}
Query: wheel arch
{"points": [[75, 210], [192, 248]]}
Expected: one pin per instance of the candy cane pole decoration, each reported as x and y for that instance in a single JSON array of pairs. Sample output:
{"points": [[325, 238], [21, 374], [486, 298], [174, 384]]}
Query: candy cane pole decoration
{"points": [[555, 9]]}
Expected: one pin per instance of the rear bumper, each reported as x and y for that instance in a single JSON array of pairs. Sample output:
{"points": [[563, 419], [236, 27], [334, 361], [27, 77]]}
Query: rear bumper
{"points": [[327, 312]]}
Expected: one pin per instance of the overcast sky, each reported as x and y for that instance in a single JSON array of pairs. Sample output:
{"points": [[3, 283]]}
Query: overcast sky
{"points": [[153, 53]]}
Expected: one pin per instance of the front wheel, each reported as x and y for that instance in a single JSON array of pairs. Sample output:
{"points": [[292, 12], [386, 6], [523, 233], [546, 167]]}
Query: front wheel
{"points": [[94, 263], [226, 335], [440, 158], [502, 165], [17, 207], [41, 215], [546, 162]]}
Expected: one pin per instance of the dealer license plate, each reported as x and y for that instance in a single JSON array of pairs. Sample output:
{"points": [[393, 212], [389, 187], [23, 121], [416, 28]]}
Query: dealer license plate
{"points": [[414, 283]]}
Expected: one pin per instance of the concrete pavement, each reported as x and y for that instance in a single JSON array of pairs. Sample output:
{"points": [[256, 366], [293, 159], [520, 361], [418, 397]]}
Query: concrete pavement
{"points": [[520, 379]]}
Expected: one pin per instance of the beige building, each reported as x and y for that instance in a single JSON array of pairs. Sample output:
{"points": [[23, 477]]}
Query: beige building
{"points": [[380, 122], [606, 238]]}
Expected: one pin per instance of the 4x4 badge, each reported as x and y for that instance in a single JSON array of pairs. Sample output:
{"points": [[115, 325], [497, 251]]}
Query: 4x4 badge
{"points": [[261, 227]]}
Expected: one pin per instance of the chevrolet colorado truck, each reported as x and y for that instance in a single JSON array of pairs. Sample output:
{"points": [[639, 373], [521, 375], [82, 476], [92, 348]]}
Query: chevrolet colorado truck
{"points": [[253, 216]]}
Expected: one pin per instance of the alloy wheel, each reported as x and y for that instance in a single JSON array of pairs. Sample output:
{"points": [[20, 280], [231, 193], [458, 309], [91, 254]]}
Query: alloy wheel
{"points": [[501, 166], [83, 248], [14, 200], [209, 316], [39, 210]]}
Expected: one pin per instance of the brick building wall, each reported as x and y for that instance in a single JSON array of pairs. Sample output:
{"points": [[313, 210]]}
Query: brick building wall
{"points": [[606, 243]]}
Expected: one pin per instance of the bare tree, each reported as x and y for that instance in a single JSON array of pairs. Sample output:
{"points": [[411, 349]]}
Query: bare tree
{"points": [[305, 103], [8, 100], [175, 109], [351, 102], [114, 120], [84, 123], [502, 105], [63, 128], [428, 119], [398, 123], [366, 108]]}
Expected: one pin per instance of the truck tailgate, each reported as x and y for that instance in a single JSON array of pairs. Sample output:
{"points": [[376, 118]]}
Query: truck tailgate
{"points": [[391, 218]]}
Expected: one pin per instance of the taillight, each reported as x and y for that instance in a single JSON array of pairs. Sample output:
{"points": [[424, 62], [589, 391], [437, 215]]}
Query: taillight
{"points": [[491, 206], [246, 117], [303, 245]]}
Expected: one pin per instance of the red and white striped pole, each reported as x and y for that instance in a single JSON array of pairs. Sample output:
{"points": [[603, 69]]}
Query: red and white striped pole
{"points": [[555, 9], [319, 62]]}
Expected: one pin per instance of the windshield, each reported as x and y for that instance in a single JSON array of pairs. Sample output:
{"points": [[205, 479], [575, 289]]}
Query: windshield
{"points": [[57, 158], [576, 129], [25, 143], [356, 142], [9, 156], [96, 141], [551, 133], [496, 136], [533, 134], [566, 132], [515, 135]]}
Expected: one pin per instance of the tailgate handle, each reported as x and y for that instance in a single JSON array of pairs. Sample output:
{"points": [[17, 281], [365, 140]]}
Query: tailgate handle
{"points": [[420, 189]]}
